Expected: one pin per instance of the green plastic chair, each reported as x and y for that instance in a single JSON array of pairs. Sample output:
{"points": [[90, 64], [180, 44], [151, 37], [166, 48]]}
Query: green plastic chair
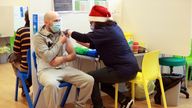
{"points": [[172, 62], [188, 64], [11, 41]]}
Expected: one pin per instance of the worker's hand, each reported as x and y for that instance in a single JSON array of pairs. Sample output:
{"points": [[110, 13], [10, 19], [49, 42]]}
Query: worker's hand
{"points": [[63, 39], [57, 61], [68, 32]]}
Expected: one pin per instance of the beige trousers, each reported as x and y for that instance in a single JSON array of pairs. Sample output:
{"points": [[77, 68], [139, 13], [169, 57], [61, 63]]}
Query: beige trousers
{"points": [[49, 78]]}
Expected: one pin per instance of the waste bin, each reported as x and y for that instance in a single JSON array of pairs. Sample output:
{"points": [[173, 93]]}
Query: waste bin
{"points": [[4, 52], [172, 83], [172, 95], [3, 57]]}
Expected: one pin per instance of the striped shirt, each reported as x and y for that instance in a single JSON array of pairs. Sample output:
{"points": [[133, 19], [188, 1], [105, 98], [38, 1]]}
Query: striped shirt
{"points": [[22, 44]]}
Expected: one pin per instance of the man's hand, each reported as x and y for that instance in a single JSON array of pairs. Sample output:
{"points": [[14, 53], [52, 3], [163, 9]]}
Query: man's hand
{"points": [[63, 39], [57, 61]]}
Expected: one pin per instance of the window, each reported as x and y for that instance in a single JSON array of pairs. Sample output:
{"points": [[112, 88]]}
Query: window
{"points": [[63, 5]]}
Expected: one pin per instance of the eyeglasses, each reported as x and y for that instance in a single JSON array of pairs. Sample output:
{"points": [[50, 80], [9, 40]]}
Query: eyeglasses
{"points": [[57, 20]]}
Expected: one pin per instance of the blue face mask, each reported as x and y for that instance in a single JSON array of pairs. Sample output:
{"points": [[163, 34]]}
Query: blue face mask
{"points": [[56, 27]]}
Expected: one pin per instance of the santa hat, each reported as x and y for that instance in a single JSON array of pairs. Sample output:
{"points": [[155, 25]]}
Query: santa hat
{"points": [[99, 14]]}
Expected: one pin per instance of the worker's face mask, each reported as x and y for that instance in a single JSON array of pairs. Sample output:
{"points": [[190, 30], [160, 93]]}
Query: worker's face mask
{"points": [[92, 25], [56, 27]]}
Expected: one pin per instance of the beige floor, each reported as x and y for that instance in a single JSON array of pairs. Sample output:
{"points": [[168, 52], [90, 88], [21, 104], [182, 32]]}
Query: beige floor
{"points": [[7, 83]]}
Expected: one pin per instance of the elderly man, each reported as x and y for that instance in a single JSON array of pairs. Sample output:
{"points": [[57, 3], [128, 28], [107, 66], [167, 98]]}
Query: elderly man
{"points": [[54, 50]]}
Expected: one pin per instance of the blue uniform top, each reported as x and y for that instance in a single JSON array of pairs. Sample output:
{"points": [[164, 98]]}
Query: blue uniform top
{"points": [[111, 45]]}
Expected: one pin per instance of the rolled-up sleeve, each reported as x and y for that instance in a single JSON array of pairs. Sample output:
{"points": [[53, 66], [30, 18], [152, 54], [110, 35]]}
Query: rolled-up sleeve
{"points": [[43, 51]]}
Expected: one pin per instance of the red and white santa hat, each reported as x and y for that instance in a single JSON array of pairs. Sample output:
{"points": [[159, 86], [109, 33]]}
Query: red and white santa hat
{"points": [[99, 14]]}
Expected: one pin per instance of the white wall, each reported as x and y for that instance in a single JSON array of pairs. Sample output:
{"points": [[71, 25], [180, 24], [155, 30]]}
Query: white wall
{"points": [[7, 20], [14, 2], [39, 7], [115, 7], [79, 21], [9, 10], [75, 21], [191, 30], [161, 24]]}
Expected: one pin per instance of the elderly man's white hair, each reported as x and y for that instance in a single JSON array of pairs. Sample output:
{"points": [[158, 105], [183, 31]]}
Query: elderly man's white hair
{"points": [[50, 15]]}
